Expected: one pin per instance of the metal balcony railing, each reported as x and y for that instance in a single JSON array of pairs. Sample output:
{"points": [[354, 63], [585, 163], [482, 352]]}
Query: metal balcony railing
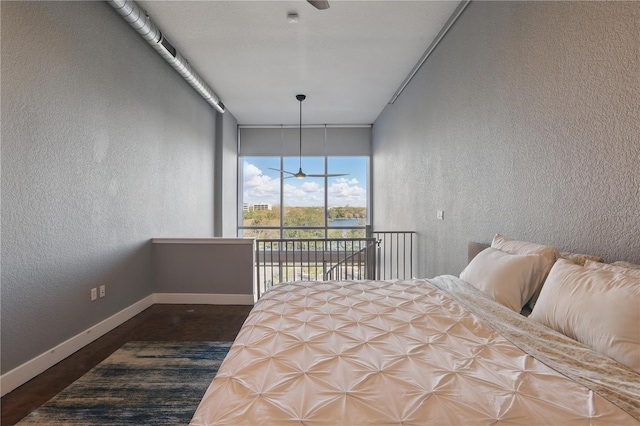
{"points": [[284, 260], [384, 255], [396, 252]]}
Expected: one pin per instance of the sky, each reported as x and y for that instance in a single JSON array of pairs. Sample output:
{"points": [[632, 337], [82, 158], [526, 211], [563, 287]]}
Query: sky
{"points": [[262, 185]]}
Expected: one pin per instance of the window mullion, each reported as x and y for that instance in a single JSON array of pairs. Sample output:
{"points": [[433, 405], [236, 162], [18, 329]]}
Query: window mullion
{"points": [[326, 191], [281, 197]]}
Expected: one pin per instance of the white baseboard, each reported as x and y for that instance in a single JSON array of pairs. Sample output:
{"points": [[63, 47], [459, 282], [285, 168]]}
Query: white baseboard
{"points": [[203, 299], [30, 369]]}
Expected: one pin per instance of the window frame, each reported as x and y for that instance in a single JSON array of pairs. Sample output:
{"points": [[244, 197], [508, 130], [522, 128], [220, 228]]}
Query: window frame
{"points": [[325, 228]]}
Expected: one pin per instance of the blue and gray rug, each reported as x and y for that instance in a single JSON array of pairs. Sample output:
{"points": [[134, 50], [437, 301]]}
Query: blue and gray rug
{"points": [[142, 383]]}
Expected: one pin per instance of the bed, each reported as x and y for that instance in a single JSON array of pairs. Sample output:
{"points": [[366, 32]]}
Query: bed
{"points": [[441, 351]]}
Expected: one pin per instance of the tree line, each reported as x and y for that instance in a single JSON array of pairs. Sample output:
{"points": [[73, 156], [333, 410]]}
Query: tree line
{"points": [[302, 217]]}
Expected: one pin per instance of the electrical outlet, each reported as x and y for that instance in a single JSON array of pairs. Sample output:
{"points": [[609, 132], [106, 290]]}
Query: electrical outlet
{"points": [[440, 214], [103, 290], [94, 294]]}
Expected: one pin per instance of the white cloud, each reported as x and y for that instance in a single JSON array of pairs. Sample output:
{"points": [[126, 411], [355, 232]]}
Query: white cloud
{"points": [[347, 192], [307, 194], [253, 177], [311, 187], [259, 187], [352, 181]]}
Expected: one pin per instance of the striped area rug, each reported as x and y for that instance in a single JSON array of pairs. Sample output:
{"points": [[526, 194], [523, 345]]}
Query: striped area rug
{"points": [[142, 383]]}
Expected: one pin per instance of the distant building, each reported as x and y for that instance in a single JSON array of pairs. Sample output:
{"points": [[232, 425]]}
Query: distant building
{"points": [[262, 206], [258, 206]]}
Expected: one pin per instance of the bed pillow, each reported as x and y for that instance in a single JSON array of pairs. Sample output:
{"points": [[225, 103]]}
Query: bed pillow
{"points": [[626, 264], [596, 307], [512, 246], [507, 278], [579, 259], [613, 268]]}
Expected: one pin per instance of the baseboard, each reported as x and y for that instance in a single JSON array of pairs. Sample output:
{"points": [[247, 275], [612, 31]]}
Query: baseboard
{"points": [[203, 299], [30, 369]]}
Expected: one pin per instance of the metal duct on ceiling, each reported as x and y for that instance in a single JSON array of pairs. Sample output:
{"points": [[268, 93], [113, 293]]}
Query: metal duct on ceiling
{"points": [[143, 25]]}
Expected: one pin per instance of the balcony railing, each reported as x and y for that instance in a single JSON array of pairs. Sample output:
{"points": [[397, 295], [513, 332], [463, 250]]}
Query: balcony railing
{"points": [[396, 252], [385, 255], [284, 260]]}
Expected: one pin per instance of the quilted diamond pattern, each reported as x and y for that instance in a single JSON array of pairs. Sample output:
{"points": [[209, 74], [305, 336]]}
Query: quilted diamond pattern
{"points": [[385, 352]]}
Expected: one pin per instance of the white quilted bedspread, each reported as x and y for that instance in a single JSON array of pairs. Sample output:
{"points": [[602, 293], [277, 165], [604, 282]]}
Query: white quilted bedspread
{"points": [[376, 352]]}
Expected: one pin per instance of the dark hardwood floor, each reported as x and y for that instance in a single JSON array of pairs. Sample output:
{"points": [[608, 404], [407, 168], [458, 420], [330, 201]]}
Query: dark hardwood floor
{"points": [[157, 323]]}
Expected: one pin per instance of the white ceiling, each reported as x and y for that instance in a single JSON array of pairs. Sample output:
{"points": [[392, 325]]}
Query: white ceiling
{"points": [[349, 59]]}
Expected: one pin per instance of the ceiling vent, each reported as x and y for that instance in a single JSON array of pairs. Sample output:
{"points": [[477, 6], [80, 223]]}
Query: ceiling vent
{"points": [[147, 29]]}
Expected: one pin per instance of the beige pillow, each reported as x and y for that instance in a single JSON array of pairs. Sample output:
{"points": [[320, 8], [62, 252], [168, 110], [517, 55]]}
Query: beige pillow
{"points": [[579, 259], [599, 308], [507, 278], [613, 268], [512, 246], [626, 264]]}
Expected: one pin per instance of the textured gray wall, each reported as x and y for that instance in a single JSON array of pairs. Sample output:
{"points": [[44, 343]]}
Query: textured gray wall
{"points": [[104, 146], [216, 268], [226, 177], [524, 121]]}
